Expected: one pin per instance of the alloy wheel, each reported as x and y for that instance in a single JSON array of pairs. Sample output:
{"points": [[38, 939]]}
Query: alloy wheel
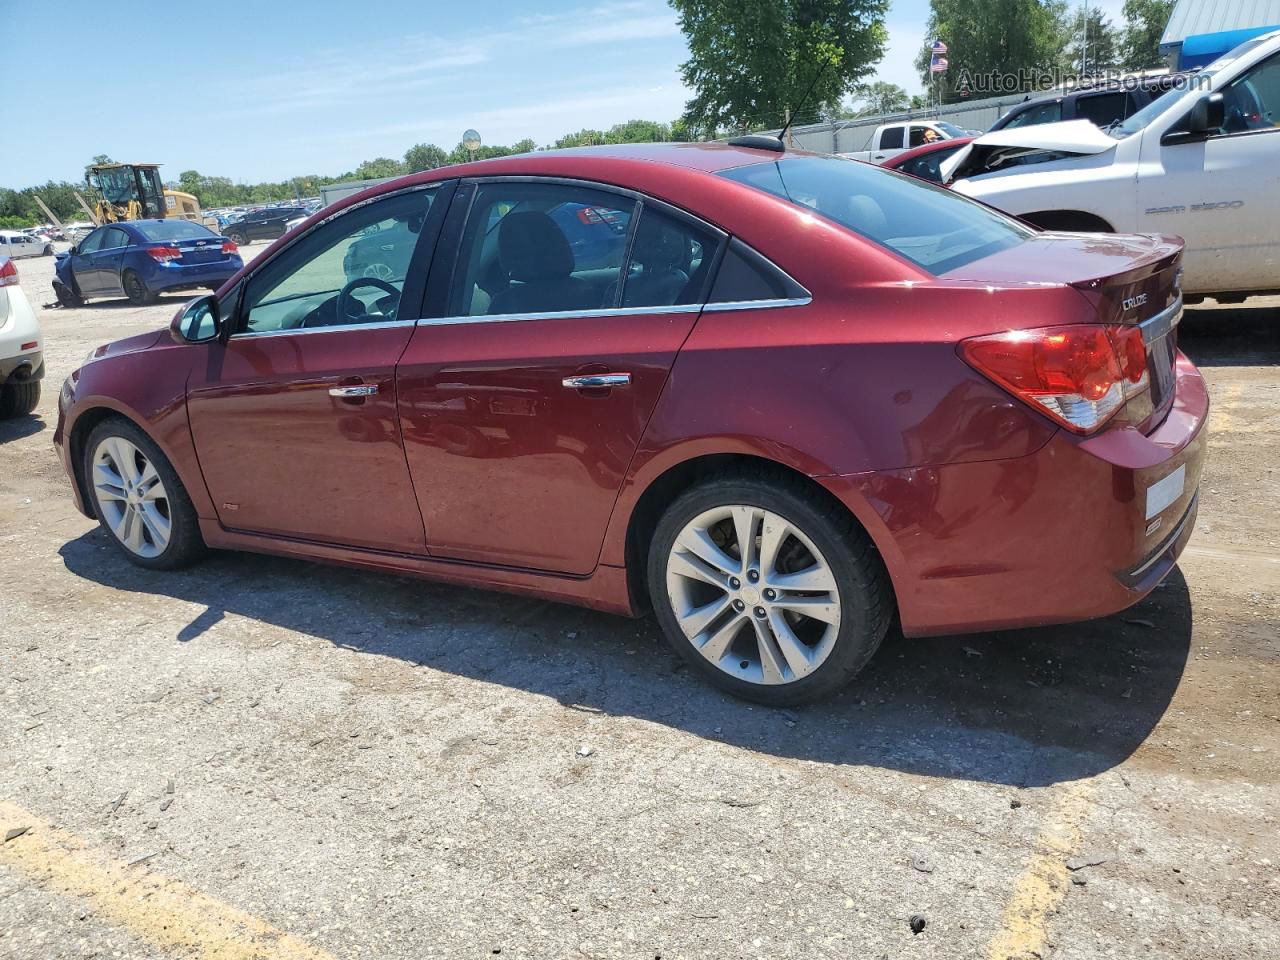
{"points": [[379, 271], [753, 594], [131, 497]]}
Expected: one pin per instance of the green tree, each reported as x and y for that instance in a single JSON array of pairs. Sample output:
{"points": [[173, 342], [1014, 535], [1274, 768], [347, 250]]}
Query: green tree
{"points": [[880, 97], [1095, 44], [583, 138], [752, 62], [1145, 21], [638, 131], [526, 145], [424, 156], [379, 168], [995, 46]]}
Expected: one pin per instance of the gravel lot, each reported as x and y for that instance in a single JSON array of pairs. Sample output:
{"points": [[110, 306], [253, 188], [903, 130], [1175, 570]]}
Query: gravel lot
{"points": [[268, 758]]}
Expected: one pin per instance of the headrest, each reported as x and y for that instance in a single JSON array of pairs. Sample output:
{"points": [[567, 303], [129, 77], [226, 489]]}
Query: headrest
{"points": [[531, 247], [659, 246]]}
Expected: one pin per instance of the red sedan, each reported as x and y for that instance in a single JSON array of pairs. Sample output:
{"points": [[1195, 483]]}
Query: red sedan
{"points": [[923, 161], [775, 397]]}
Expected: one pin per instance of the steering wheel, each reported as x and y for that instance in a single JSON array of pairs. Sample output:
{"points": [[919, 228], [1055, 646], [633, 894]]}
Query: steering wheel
{"points": [[344, 297]]}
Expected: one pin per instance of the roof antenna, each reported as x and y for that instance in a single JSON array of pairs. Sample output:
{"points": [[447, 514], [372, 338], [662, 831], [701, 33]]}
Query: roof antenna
{"points": [[762, 141]]}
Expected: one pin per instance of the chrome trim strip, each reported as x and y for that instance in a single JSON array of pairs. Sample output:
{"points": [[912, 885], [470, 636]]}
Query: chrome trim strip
{"points": [[1159, 325], [561, 315], [247, 334], [758, 304]]}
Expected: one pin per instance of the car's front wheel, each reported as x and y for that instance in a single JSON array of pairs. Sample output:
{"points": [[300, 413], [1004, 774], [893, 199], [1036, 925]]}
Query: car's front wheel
{"points": [[771, 592], [139, 500], [238, 238], [66, 296]]}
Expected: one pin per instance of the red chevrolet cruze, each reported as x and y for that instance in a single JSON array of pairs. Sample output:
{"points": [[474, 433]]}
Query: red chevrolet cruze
{"points": [[777, 397]]}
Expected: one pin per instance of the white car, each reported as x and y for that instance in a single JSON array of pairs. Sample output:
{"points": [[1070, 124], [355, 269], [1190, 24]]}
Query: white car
{"points": [[892, 139], [14, 245], [21, 347], [1201, 162]]}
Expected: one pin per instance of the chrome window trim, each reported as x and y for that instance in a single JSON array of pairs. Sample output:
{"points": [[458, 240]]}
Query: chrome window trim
{"points": [[1160, 324], [606, 312], [759, 304], [332, 328], [560, 315]]}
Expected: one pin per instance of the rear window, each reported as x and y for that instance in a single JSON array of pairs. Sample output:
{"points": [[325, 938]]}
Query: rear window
{"points": [[173, 230], [934, 228]]}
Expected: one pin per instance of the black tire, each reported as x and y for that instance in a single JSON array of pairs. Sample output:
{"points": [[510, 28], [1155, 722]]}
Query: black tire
{"points": [[19, 399], [238, 238], [48, 250], [866, 600], [66, 296], [136, 289], [186, 545]]}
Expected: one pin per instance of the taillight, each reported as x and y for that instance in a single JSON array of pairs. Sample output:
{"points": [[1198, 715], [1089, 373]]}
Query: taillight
{"points": [[8, 273], [1079, 375], [229, 247], [165, 254]]}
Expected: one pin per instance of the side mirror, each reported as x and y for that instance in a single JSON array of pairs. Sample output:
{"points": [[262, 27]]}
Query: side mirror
{"points": [[197, 322], [1208, 115], [1206, 118]]}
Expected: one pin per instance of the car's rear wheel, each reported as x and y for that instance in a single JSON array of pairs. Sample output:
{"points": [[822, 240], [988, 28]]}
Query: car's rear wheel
{"points": [[48, 250], [771, 592], [136, 290], [18, 399], [139, 500], [66, 296]]}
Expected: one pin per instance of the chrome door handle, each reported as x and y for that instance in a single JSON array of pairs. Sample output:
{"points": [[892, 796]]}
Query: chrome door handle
{"points": [[591, 380], [356, 390]]}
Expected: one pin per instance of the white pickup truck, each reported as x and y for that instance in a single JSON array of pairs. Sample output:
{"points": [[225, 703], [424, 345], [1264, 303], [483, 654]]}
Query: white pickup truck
{"points": [[892, 139], [1202, 162]]}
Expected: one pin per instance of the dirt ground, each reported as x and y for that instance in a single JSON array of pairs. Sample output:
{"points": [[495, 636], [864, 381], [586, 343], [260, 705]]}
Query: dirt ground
{"points": [[268, 758]]}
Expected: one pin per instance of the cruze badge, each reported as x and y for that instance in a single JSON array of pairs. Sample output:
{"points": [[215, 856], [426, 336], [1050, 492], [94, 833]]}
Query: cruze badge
{"points": [[1130, 303]]}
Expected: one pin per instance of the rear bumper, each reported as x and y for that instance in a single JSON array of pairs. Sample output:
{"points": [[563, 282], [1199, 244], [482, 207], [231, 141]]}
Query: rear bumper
{"points": [[1071, 532], [24, 367], [176, 276]]}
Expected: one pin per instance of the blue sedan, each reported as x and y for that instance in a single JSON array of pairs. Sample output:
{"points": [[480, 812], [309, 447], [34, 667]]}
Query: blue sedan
{"points": [[141, 259]]}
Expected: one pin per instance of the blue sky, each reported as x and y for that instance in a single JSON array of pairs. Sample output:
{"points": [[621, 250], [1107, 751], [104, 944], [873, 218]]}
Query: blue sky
{"points": [[268, 90]]}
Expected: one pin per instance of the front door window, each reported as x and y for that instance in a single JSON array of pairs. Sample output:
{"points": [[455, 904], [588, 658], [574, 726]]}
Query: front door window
{"points": [[349, 271]]}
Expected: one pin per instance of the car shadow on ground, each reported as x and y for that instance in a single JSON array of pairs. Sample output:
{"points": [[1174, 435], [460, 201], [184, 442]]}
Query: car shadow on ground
{"points": [[1023, 707], [20, 427], [1231, 336]]}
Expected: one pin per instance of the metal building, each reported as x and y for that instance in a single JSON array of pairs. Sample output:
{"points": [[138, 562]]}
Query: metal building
{"points": [[1200, 31]]}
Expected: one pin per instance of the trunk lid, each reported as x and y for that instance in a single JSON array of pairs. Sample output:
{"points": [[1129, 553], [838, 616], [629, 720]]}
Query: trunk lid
{"points": [[1126, 279], [200, 250]]}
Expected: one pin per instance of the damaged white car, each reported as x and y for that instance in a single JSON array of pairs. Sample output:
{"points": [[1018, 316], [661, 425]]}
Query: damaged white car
{"points": [[1201, 162]]}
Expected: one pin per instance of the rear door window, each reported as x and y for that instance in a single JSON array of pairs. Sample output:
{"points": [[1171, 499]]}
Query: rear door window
{"points": [[541, 248], [115, 237], [670, 261]]}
